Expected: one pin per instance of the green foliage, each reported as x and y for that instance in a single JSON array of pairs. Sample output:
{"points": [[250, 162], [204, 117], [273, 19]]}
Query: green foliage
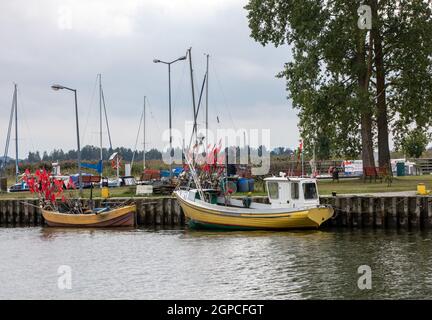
{"points": [[321, 78], [414, 143], [329, 55], [407, 30]]}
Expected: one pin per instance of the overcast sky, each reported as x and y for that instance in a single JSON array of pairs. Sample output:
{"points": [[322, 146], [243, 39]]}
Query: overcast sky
{"points": [[70, 42]]}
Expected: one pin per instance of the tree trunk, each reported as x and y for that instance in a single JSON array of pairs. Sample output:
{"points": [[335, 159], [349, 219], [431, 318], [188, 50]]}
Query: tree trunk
{"points": [[382, 120], [366, 110]]}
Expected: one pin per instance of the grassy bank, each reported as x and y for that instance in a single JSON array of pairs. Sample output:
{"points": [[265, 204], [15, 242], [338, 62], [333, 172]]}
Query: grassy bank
{"points": [[326, 187], [408, 183]]}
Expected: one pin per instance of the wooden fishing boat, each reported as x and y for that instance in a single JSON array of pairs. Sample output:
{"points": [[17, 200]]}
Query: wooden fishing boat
{"points": [[101, 217], [294, 204]]}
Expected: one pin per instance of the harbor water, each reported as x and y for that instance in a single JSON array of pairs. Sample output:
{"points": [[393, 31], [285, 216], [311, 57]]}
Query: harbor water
{"points": [[188, 264]]}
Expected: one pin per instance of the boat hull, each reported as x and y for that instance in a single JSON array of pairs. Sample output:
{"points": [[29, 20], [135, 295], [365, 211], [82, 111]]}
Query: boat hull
{"points": [[121, 217], [200, 217]]}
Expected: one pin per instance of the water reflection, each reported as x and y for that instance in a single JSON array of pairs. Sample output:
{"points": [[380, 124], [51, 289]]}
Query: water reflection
{"points": [[188, 264]]}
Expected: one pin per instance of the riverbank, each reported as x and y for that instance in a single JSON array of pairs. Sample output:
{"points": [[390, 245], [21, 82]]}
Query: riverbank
{"points": [[408, 212], [326, 187]]}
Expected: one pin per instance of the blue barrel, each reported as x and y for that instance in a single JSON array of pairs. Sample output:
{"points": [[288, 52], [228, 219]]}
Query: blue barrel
{"points": [[251, 185], [243, 185], [177, 171], [165, 173]]}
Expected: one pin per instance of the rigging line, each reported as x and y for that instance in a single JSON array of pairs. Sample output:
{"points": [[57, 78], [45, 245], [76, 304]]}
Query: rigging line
{"points": [[195, 129], [137, 137], [106, 119], [89, 111], [23, 115], [149, 108], [3, 165], [199, 100], [151, 113], [224, 98]]}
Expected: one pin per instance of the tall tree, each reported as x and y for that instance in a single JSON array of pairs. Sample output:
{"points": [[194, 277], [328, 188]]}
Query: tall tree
{"points": [[328, 79], [348, 82]]}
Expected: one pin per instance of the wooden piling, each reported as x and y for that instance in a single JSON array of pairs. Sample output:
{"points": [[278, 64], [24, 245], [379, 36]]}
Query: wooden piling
{"points": [[379, 213], [414, 212], [392, 214], [350, 211], [403, 213], [428, 216]]}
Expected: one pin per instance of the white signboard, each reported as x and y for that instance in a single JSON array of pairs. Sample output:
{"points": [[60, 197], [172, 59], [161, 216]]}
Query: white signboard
{"points": [[353, 167], [144, 189]]}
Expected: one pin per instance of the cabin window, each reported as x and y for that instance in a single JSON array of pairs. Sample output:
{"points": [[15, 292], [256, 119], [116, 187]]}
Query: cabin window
{"points": [[294, 190], [310, 191], [273, 190]]}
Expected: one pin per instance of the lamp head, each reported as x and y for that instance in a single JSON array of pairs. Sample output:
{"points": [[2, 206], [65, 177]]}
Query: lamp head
{"points": [[56, 87], [156, 60]]}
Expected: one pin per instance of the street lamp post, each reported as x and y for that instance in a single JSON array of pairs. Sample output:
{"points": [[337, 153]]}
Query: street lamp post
{"points": [[169, 105], [59, 87]]}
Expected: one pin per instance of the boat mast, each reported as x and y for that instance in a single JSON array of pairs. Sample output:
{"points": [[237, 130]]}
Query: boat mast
{"points": [[100, 116], [16, 132], [144, 135], [3, 163], [193, 93], [106, 119], [206, 116]]}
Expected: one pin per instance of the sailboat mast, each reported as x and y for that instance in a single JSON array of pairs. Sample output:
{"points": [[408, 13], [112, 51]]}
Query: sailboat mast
{"points": [[100, 116], [193, 92], [16, 133], [144, 135], [206, 116]]}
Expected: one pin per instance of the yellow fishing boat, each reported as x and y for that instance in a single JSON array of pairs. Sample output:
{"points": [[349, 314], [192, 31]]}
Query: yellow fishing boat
{"points": [[294, 204], [104, 217]]}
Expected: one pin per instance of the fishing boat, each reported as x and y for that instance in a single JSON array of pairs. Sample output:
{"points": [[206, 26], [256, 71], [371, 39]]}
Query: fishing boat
{"points": [[99, 217], [71, 212], [294, 204]]}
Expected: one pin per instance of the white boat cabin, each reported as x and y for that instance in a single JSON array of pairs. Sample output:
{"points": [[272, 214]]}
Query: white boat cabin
{"points": [[286, 192]]}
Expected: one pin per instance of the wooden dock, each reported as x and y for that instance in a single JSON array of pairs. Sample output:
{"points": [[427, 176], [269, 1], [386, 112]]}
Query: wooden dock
{"points": [[413, 212]]}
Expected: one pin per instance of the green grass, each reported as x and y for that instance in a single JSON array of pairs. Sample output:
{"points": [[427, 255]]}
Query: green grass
{"points": [[408, 183], [356, 185]]}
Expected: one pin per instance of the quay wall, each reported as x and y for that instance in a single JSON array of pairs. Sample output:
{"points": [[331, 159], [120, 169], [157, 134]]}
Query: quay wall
{"points": [[350, 211]]}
